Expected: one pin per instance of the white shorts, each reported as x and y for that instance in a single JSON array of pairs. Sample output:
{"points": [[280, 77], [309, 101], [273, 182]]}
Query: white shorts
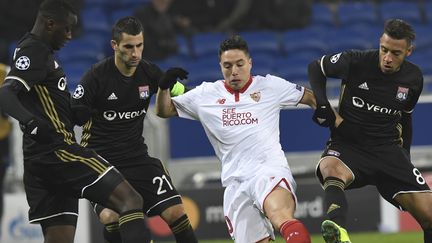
{"points": [[243, 204]]}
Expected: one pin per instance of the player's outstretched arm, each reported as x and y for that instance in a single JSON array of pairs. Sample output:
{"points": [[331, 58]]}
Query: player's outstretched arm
{"points": [[308, 98], [164, 106]]}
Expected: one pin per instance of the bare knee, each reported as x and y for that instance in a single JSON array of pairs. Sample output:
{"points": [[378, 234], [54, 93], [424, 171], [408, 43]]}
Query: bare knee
{"points": [[107, 216], [279, 207], [332, 167], [171, 214], [125, 198]]}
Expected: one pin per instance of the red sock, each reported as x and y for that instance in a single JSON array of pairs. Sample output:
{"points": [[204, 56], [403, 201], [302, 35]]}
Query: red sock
{"points": [[294, 231]]}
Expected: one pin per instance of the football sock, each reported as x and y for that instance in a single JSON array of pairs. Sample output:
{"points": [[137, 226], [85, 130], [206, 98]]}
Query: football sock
{"points": [[183, 231], [111, 233], [427, 233], [133, 228], [335, 200], [293, 231]]}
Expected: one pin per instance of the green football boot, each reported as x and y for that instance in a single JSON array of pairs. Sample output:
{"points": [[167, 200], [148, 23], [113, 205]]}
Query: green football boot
{"points": [[333, 233]]}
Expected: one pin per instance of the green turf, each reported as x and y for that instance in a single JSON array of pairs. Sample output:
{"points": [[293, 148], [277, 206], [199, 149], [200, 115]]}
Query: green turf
{"points": [[415, 237]]}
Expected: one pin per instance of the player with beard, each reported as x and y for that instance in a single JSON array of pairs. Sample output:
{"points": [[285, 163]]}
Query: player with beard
{"points": [[372, 131], [112, 101]]}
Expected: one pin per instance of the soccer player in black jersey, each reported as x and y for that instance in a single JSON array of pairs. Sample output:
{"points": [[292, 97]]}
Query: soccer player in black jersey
{"points": [[371, 132], [112, 98], [57, 171]]}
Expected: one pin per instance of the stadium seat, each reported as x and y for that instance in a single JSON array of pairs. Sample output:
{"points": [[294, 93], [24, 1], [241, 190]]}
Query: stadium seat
{"points": [[322, 15], [304, 42], [267, 42], [341, 39], [354, 13], [423, 42], [116, 14], [406, 10], [292, 68], [207, 43], [74, 71], [95, 19], [83, 49]]}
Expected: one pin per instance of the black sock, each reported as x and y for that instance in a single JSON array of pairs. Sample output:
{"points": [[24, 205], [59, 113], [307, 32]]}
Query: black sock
{"points": [[111, 233], [133, 227], [427, 233], [183, 231], [335, 201]]}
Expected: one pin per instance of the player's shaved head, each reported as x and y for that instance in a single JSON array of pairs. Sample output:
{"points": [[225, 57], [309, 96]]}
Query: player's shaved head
{"points": [[56, 9]]}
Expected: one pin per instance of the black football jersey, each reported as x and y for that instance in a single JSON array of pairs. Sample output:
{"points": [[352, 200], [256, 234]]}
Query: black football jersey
{"points": [[119, 106], [47, 96], [371, 98]]}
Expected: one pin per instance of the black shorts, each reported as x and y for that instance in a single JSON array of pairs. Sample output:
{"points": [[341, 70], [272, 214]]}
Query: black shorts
{"points": [[54, 182], [152, 181], [388, 167]]}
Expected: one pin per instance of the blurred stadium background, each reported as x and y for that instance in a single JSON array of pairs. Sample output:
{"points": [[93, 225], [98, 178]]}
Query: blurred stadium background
{"points": [[183, 146]]}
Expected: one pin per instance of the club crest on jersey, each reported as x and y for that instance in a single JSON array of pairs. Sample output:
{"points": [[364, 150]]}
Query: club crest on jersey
{"points": [[333, 152], [402, 93], [256, 96], [144, 92]]}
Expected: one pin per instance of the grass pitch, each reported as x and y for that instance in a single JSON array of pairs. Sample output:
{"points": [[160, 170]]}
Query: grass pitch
{"points": [[411, 237]]}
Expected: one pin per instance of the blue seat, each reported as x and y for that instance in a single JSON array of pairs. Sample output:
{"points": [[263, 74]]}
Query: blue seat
{"points": [[83, 49], [353, 13], [305, 41], [345, 39], [322, 15], [74, 71], [95, 19], [406, 10], [262, 42], [119, 13], [203, 69], [207, 43], [292, 68], [423, 42]]}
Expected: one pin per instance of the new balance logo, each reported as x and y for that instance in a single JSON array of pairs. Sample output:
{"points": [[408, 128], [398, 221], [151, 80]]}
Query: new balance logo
{"points": [[112, 96], [364, 86]]}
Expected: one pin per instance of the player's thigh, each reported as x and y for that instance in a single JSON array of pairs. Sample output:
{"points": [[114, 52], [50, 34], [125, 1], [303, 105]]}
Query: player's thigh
{"points": [[245, 222], [419, 206], [345, 162], [398, 176], [47, 203], [152, 181], [77, 172]]}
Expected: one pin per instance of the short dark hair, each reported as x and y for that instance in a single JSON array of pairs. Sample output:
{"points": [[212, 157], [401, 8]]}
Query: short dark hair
{"points": [[56, 9], [129, 25], [399, 29], [234, 42]]}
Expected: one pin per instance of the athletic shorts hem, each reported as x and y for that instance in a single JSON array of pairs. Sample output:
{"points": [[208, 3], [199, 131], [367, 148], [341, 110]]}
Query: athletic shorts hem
{"points": [[35, 221], [171, 201]]}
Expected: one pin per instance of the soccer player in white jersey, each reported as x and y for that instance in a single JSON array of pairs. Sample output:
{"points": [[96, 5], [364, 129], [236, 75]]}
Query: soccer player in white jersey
{"points": [[240, 115]]}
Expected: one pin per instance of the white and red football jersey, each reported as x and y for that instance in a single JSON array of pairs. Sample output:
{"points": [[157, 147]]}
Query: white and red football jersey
{"points": [[242, 126]]}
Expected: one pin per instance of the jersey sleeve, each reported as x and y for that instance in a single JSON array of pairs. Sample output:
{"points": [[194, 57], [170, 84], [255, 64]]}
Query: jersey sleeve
{"points": [[86, 91], [289, 93], [336, 65], [155, 73], [187, 103], [417, 89], [29, 66]]}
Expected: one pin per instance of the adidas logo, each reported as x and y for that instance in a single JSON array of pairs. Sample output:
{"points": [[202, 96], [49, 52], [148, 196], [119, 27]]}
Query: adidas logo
{"points": [[112, 96], [364, 86], [332, 207]]}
